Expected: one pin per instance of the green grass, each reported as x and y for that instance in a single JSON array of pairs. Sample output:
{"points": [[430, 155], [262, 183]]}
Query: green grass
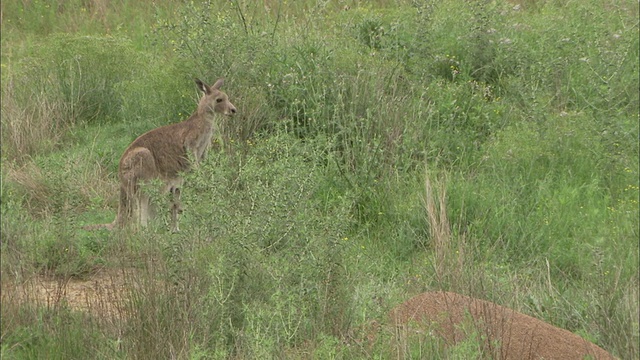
{"points": [[377, 148]]}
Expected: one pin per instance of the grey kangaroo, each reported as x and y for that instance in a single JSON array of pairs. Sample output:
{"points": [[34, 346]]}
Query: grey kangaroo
{"points": [[164, 153]]}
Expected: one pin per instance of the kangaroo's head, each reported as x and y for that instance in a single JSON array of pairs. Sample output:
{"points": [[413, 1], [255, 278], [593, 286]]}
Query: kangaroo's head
{"points": [[213, 100]]}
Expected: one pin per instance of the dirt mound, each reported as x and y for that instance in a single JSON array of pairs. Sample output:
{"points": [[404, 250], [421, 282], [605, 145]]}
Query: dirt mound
{"points": [[520, 336]]}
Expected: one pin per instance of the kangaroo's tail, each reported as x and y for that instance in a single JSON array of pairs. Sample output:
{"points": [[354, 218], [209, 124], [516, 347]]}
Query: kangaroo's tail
{"points": [[124, 211], [133, 166], [92, 227]]}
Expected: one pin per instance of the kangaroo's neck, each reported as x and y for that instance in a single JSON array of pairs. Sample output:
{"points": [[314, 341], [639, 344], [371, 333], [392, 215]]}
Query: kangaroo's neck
{"points": [[202, 117]]}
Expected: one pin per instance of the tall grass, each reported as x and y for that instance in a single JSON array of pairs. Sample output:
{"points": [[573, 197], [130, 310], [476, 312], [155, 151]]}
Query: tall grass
{"points": [[380, 150]]}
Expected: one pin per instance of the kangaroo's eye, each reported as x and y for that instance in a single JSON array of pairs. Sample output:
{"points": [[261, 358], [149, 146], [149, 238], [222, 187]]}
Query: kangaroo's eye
{"points": [[218, 100]]}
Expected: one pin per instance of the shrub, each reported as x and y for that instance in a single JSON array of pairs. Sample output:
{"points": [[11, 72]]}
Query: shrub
{"points": [[73, 80], [261, 259]]}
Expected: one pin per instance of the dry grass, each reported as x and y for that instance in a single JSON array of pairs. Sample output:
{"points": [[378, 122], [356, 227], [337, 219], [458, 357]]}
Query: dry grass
{"points": [[102, 294], [30, 129], [32, 182], [40, 190], [449, 250]]}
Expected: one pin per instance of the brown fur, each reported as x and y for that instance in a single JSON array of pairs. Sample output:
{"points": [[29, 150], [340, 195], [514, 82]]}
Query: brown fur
{"points": [[164, 153]]}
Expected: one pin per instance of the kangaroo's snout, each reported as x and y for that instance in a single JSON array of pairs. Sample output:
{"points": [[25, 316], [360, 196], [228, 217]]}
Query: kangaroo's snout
{"points": [[231, 110]]}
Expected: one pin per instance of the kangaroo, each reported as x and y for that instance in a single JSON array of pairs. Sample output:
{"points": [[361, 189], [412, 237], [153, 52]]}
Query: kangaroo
{"points": [[164, 153]]}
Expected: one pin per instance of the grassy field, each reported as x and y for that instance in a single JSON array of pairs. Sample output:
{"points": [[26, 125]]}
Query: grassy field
{"points": [[381, 149]]}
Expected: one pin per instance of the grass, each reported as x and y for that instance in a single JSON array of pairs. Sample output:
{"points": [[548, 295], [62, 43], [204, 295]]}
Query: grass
{"points": [[380, 150]]}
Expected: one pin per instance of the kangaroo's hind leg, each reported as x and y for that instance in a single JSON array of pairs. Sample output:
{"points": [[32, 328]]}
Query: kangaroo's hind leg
{"points": [[144, 208], [136, 166], [176, 206], [176, 209]]}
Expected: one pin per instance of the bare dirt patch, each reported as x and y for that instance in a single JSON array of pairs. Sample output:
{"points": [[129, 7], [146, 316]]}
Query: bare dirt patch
{"points": [[103, 294], [507, 334]]}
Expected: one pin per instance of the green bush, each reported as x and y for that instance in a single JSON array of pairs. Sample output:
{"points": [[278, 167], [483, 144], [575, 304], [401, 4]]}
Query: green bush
{"points": [[548, 174], [262, 251], [83, 70], [73, 80]]}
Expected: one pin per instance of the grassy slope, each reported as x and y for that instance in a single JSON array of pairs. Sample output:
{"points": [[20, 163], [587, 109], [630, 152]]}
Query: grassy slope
{"points": [[314, 217]]}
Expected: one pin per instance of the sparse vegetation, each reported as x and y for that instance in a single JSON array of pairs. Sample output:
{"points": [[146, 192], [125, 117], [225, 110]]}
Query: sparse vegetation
{"points": [[381, 149]]}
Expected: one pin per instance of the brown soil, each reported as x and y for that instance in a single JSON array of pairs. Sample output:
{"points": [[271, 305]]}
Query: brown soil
{"points": [[103, 294], [521, 336]]}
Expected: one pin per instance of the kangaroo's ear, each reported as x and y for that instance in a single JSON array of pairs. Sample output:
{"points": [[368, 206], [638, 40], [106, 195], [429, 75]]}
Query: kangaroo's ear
{"points": [[202, 86], [218, 84]]}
